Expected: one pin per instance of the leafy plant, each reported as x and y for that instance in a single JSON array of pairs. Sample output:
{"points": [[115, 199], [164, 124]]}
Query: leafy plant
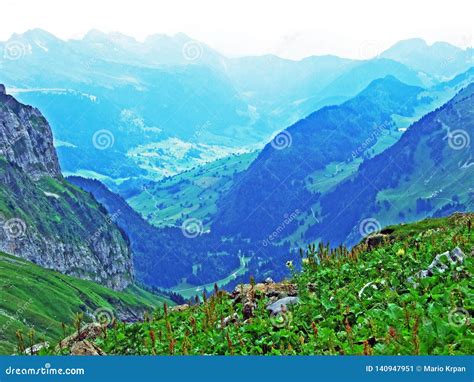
{"points": [[360, 302]]}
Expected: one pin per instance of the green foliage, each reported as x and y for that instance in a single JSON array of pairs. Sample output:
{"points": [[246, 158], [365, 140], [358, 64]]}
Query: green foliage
{"points": [[360, 302]]}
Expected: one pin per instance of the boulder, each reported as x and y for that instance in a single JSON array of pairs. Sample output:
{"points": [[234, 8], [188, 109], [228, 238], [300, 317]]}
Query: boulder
{"points": [[232, 319], [455, 256], [36, 348], [86, 348], [280, 290], [89, 332], [281, 305], [179, 308], [376, 239], [248, 294]]}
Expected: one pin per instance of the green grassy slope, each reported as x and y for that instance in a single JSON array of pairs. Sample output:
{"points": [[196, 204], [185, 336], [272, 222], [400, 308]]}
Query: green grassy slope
{"points": [[193, 193], [342, 314], [33, 297]]}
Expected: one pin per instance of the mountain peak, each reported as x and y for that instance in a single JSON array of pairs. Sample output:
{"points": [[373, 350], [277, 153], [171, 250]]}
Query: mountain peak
{"points": [[402, 50], [388, 87], [412, 43], [96, 35], [426, 145], [440, 59], [164, 38], [182, 36], [389, 79], [37, 34], [2, 89]]}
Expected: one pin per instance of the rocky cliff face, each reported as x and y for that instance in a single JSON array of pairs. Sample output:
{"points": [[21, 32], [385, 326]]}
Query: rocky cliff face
{"points": [[44, 218], [26, 138]]}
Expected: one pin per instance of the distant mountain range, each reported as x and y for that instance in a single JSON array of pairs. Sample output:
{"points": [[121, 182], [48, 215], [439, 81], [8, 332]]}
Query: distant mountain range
{"points": [[339, 174], [428, 172], [439, 60], [199, 189], [138, 98], [274, 184]]}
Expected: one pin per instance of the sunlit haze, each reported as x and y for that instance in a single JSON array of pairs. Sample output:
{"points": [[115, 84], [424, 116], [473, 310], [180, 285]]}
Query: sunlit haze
{"points": [[247, 27]]}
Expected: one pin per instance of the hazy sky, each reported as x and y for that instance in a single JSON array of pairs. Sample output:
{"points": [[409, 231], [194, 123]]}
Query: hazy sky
{"points": [[292, 28]]}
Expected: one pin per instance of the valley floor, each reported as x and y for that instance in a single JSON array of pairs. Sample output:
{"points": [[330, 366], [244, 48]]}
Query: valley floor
{"points": [[190, 291]]}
